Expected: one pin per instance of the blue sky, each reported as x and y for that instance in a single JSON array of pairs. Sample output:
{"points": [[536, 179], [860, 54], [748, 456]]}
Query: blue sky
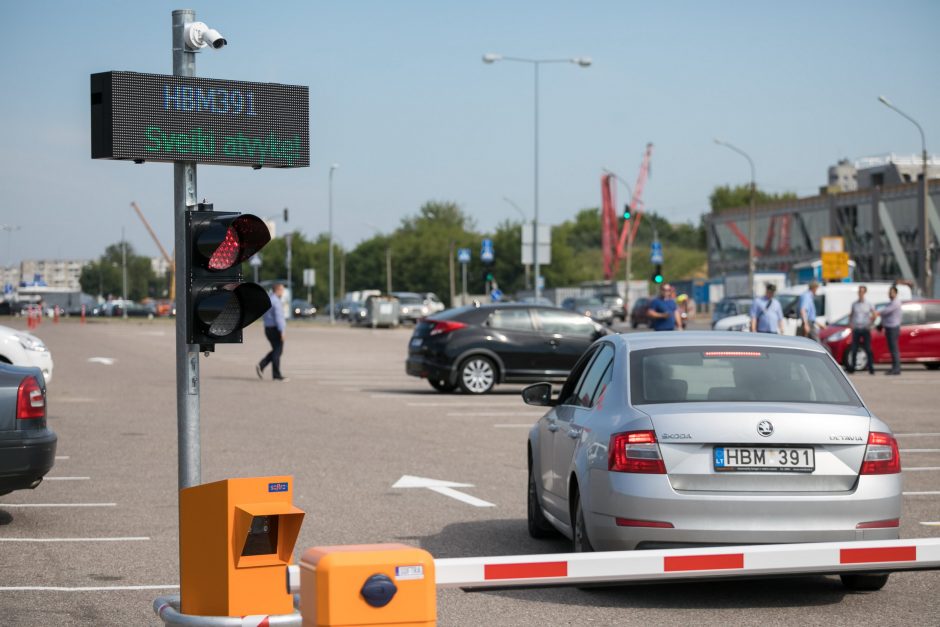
{"points": [[400, 99]]}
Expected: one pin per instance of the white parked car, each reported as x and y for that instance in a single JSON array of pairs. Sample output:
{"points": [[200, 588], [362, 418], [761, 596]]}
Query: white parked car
{"points": [[25, 349]]}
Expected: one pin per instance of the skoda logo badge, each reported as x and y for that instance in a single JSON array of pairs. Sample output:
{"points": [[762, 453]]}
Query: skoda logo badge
{"points": [[765, 428]]}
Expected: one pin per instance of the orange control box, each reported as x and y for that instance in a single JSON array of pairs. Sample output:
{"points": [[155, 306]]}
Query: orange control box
{"points": [[236, 539], [367, 584]]}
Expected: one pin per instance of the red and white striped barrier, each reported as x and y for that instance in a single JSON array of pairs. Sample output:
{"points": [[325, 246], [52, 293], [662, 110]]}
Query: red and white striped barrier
{"points": [[674, 564], [680, 564]]}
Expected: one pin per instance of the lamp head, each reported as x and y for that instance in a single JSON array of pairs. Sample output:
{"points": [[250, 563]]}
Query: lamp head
{"points": [[582, 61], [884, 101], [492, 57]]}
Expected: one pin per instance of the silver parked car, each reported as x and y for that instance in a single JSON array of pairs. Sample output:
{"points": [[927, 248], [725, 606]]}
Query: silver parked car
{"points": [[704, 438]]}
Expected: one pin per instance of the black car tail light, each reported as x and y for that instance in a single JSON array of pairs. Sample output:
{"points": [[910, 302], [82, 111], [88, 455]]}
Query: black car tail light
{"points": [[445, 326], [30, 401]]}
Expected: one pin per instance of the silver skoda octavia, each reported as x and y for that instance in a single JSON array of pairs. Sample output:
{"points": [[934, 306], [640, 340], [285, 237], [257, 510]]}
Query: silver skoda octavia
{"points": [[662, 440]]}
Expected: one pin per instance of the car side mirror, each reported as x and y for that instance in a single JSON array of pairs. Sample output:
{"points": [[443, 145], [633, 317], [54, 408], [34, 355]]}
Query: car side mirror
{"points": [[538, 394]]}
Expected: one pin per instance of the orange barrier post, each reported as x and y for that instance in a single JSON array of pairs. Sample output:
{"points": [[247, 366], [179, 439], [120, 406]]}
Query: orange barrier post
{"points": [[55, 318], [83, 314], [368, 584]]}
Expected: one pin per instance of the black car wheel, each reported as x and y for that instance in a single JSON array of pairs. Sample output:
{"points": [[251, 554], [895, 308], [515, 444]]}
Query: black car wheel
{"points": [[634, 324], [539, 527], [477, 375], [441, 385], [933, 366], [581, 542], [865, 582]]}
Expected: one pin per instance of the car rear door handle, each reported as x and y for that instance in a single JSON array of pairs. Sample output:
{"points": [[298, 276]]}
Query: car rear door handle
{"points": [[553, 342], [552, 427], [574, 434]]}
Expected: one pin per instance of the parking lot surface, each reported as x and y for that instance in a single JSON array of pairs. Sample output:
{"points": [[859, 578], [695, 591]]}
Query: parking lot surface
{"points": [[97, 541]]}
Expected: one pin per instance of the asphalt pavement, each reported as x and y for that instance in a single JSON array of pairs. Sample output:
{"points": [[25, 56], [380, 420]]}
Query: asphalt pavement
{"points": [[97, 541]]}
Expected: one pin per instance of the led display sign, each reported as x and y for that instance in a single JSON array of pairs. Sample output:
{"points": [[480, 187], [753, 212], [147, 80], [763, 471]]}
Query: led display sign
{"points": [[155, 117]]}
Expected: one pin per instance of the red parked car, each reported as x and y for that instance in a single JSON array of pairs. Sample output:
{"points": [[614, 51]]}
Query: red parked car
{"points": [[919, 340]]}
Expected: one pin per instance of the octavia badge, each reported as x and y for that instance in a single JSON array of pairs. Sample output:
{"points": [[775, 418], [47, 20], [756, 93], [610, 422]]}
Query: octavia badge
{"points": [[765, 428]]}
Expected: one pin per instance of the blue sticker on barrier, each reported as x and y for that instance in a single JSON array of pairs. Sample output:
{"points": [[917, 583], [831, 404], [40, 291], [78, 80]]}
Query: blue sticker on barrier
{"points": [[277, 487]]}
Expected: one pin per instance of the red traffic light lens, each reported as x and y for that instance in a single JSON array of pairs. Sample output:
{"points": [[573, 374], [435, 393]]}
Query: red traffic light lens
{"points": [[226, 255], [226, 243]]}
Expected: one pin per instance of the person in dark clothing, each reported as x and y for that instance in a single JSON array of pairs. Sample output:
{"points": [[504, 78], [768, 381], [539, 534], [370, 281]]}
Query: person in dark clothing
{"points": [[274, 327], [891, 321], [862, 316]]}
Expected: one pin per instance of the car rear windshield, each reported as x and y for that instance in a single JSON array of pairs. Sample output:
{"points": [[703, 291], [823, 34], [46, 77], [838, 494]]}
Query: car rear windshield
{"points": [[737, 374]]}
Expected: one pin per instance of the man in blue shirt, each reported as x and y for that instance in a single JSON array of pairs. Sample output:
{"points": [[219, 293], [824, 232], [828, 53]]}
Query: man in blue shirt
{"points": [[807, 306], [766, 313], [274, 326], [663, 311]]}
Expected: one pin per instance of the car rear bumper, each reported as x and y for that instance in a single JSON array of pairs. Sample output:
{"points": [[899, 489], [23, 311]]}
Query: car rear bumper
{"points": [[24, 460], [420, 366], [714, 518]]}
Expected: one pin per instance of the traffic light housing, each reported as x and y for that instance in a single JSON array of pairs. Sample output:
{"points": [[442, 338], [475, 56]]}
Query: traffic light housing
{"points": [[626, 212], [219, 304], [658, 274]]}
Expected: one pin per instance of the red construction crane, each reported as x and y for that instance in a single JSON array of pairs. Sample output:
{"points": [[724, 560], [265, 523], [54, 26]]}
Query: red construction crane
{"points": [[612, 244], [156, 241]]}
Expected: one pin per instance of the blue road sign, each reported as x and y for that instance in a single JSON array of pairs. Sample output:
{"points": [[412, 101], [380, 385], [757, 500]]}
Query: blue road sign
{"points": [[496, 295], [486, 251], [656, 252], [463, 255]]}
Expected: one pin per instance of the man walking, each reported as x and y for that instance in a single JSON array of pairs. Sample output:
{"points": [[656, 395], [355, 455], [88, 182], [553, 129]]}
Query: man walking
{"points": [[808, 312], [860, 319], [891, 321], [766, 313], [663, 311], [274, 326]]}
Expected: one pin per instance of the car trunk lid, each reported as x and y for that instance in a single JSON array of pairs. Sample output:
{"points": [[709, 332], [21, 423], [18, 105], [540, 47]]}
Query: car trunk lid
{"points": [[829, 438]]}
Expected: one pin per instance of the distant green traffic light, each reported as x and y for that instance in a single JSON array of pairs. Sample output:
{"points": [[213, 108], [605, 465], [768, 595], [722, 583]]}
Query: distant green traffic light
{"points": [[658, 274], [626, 212]]}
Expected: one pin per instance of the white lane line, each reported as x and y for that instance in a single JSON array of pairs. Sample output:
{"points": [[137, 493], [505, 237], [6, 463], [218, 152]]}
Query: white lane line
{"points": [[920, 450], [5, 505], [84, 588], [466, 404], [917, 435], [66, 478], [920, 468], [107, 361], [128, 539], [494, 414], [62, 457], [514, 425], [933, 493], [931, 524]]}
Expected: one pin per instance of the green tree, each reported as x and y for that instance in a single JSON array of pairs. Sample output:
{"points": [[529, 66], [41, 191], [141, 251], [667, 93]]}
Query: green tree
{"points": [[104, 276], [725, 197]]}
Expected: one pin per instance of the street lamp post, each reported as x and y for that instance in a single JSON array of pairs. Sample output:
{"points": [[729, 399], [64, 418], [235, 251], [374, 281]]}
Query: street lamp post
{"points": [[927, 271], [491, 57], [751, 216], [332, 312]]}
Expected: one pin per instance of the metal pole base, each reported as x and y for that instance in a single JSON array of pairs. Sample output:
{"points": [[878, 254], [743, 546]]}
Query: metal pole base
{"points": [[168, 610]]}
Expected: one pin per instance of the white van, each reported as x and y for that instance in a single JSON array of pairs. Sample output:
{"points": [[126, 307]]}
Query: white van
{"points": [[833, 301]]}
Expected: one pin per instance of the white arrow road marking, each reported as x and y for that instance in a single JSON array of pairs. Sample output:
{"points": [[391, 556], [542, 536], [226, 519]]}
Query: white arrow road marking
{"points": [[442, 487], [107, 361]]}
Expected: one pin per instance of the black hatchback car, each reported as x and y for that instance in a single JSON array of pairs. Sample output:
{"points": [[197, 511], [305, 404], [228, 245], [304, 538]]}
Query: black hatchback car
{"points": [[27, 445], [475, 348]]}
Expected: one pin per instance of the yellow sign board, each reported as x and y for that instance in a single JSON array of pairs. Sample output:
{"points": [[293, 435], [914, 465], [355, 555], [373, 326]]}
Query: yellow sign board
{"points": [[835, 266]]}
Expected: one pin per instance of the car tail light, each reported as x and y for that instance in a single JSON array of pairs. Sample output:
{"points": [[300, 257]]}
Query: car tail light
{"points": [[630, 522], [880, 524], [30, 402], [882, 456], [635, 451], [445, 326]]}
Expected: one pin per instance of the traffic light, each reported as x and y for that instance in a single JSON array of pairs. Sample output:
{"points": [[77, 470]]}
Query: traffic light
{"points": [[658, 274], [218, 302], [626, 212]]}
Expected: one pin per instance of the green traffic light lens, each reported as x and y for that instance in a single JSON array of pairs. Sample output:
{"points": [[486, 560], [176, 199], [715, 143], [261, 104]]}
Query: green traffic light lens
{"points": [[658, 278]]}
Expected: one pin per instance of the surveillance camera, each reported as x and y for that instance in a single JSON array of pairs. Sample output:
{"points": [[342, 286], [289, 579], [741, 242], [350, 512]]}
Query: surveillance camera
{"points": [[198, 35]]}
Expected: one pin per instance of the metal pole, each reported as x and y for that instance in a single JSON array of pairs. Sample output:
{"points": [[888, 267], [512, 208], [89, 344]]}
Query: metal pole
{"points": [[332, 313], [751, 216], [451, 269], [123, 274], [535, 220], [463, 298], [187, 355], [288, 260], [388, 269], [925, 225]]}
